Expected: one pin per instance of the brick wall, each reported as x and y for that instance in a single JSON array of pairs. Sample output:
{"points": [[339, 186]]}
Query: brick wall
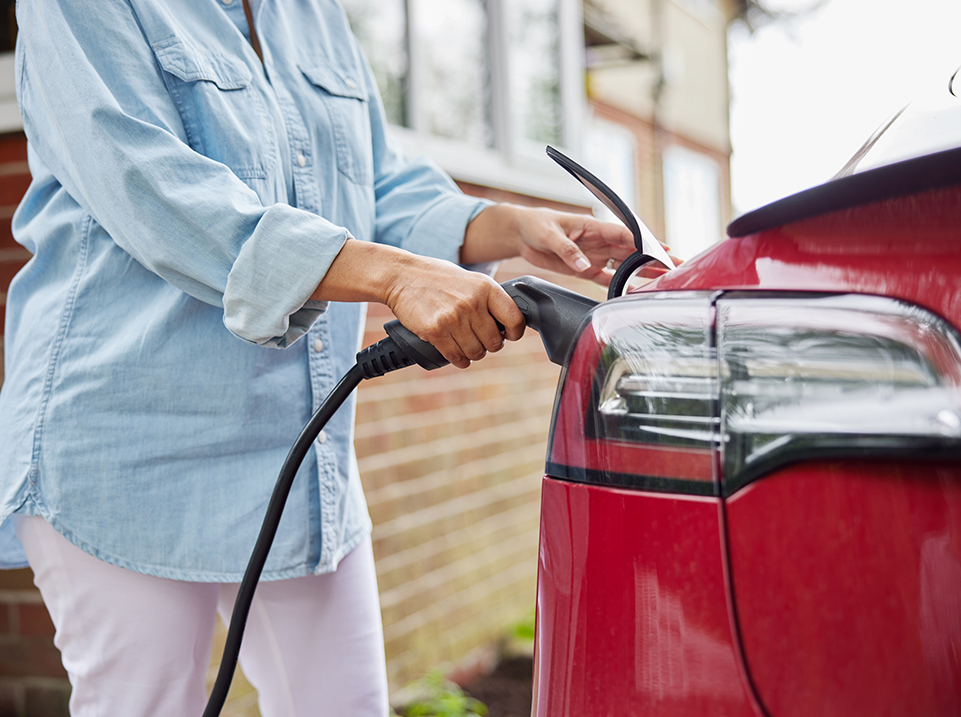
{"points": [[451, 462], [32, 680], [14, 179]]}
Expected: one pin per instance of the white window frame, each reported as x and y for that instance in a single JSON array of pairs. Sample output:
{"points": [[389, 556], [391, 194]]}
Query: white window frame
{"points": [[509, 165]]}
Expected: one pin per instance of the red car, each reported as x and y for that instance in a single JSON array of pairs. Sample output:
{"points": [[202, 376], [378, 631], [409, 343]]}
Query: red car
{"points": [[753, 495]]}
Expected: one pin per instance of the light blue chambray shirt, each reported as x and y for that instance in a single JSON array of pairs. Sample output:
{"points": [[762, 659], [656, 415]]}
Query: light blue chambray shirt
{"points": [[161, 350]]}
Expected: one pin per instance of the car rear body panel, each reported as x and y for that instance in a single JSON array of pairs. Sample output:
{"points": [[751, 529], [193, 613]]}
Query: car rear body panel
{"points": [[906, 247], [632, 617], [847, 583]]}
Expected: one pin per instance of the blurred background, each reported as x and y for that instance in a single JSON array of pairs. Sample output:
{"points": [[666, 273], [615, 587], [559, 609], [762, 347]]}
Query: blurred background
{"points": [[692, 110], [808, 89]]}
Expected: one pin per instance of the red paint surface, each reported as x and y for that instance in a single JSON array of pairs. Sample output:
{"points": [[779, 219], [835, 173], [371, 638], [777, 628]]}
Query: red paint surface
{"points": [[847, 579], [908, 248], [631, 614]]}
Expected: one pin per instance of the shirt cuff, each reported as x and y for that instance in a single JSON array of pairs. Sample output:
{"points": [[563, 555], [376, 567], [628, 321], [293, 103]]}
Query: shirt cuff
{"points": [[267, 298], [431, 233]]}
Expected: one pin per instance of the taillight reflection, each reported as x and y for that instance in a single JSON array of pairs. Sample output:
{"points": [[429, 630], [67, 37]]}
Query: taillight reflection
{"points": [[638, 404], [814, 377]]}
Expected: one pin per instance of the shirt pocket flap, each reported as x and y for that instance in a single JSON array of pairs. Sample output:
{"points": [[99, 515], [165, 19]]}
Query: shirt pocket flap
{"points": [[333, 81], [176, 58]]}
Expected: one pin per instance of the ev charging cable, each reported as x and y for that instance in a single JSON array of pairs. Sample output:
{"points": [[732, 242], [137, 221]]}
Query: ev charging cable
{"points": [[553, 311]]}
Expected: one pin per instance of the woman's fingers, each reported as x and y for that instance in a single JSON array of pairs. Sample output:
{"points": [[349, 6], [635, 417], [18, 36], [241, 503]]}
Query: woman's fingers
{"points": [[456, 311], [574, 243]]}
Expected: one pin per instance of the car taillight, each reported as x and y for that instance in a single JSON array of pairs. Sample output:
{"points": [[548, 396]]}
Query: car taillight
{"points": [[638, 402], [658, 398], [816, 377], [662, 388]]}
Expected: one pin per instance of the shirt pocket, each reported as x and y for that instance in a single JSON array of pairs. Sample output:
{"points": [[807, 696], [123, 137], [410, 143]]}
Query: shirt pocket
{"points": [[223, 114], [346, 103]]}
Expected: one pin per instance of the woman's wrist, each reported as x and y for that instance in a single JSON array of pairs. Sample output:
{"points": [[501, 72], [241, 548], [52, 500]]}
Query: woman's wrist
{"points": [[363, 271], [493, 234]]}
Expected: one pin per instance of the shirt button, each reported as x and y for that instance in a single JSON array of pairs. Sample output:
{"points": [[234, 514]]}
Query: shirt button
{"points": [[322, 438], [351, 84], [227, 2], [301, 160], [318, 345]]}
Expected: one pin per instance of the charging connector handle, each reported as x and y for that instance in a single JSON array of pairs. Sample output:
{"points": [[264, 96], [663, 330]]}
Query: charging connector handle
{"points": [[552, 311]]}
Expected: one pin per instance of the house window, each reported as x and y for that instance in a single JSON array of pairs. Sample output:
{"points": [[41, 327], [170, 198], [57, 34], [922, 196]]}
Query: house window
{"points": [[450, 69], [611, 153], [534, 86], [489, 75], [692, 201], [381, 28]]}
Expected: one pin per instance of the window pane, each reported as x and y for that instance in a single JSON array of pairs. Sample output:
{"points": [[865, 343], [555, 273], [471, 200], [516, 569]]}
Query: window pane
{"points": [[535, 67], [381, 28], [611, 153], [692, 201], [449, 41]]}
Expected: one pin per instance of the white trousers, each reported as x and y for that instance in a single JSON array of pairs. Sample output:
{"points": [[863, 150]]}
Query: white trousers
{"points": [[139, 646]]}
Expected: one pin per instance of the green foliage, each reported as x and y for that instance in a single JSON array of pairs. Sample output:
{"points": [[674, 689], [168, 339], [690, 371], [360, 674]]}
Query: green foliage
{"points": [[443, 698], [524, 630]]}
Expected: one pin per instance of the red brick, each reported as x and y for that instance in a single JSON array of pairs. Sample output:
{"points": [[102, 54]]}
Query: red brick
{"points": [[6, 235], [9, 268], [11, 700], [13, 148], [35, 621], [17, 580], [12, 189], [34, 657]]}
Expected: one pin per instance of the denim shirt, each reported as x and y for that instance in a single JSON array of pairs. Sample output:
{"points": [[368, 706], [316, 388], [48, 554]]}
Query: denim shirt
{"points": [[161, 349]]}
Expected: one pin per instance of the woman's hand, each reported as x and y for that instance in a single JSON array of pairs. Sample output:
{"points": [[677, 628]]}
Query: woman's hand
{"points": [[575, 244], [455, 310]]}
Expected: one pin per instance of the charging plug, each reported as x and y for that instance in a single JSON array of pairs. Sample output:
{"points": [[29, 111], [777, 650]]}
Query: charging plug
{"points": [[551, 310]]}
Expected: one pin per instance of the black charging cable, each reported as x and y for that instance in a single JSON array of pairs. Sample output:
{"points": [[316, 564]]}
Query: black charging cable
{"points": [[375, 360], [556, 313]]}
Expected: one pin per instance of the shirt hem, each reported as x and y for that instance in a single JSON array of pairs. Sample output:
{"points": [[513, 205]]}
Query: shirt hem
{"points": [[299, 570], [345, 549]]}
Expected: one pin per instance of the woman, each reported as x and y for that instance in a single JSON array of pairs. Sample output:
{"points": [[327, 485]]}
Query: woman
{"points": [[207, 205]]}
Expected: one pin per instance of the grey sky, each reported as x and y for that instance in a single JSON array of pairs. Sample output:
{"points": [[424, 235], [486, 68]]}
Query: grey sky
{"points": [[806, 93]]}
